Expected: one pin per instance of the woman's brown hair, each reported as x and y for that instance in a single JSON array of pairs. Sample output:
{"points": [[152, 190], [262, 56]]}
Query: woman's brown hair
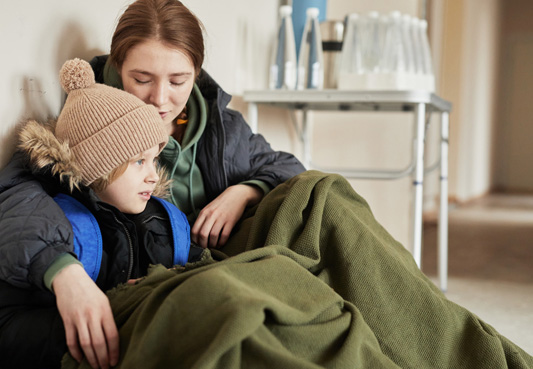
{"points": [[167, 21]]}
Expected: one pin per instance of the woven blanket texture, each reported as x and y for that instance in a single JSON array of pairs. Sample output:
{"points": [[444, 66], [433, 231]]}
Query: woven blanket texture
{"points": [[309, 279]]}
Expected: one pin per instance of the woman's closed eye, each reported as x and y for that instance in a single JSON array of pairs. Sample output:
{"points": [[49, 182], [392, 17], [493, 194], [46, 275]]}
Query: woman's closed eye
{"points": [[141, 82]]}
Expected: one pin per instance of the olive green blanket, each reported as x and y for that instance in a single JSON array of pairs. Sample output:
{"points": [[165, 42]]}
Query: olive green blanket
{"points": [[311, 281]]}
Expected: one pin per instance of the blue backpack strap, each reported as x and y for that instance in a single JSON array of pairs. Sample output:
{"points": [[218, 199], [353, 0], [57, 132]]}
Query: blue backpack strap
{"points": [[181, 231], [87, 236]]}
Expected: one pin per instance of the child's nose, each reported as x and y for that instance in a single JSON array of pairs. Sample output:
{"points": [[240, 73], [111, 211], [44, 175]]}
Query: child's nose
{"points": [[152, 176]]}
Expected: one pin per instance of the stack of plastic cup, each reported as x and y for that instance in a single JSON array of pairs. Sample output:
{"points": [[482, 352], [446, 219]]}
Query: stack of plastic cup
{"points": [[386, 52]]}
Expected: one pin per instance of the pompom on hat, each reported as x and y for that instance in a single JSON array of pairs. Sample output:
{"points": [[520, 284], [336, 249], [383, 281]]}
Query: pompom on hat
{"points": [[104, 126]]}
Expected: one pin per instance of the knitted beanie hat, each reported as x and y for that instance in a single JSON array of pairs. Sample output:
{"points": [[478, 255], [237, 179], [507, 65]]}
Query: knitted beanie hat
{"points": [[104, 126]]}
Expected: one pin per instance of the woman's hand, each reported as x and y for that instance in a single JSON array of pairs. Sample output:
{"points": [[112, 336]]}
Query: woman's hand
{"points": [[216, 221], [87, 316]]}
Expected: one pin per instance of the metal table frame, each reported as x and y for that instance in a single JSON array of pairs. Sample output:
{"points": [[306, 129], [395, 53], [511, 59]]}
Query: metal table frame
{"points": [[421, 103]]}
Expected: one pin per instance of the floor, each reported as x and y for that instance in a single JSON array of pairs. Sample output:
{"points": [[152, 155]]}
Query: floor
{"points": [[490, 262]]}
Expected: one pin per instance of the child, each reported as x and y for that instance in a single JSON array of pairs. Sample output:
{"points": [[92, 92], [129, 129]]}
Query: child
{"points": [[101, 161]]}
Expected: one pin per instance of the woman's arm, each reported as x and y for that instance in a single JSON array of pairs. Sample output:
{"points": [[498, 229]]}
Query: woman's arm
{"points": [[246, 157], [33, 229], [89, 324], [262, 162]]}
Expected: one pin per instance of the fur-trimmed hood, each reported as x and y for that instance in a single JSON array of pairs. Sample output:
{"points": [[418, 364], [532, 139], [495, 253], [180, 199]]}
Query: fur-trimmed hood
{"points": [[46, 154]]}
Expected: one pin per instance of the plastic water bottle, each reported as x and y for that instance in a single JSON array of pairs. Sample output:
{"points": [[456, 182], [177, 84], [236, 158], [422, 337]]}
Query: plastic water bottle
{"points": [[311, 55], [427, 68], [351, 73], [283, 65], [394, 53], [371, 43]]}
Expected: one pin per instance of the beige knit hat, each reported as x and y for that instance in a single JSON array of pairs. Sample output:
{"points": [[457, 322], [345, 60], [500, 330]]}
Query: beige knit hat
{"points": [[104, 126]]}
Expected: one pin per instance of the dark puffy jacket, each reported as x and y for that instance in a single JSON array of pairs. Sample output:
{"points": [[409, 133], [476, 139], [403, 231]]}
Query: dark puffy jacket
{"points": [[228, 152], [129, 243]]}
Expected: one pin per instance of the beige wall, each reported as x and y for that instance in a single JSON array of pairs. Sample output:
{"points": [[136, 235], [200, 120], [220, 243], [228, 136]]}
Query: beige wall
{"points": [[37, 36], [468, 78], [514, 129]]}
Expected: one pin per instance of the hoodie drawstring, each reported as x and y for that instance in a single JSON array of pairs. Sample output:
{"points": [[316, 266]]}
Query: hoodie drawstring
{"points": [[191, 199]]}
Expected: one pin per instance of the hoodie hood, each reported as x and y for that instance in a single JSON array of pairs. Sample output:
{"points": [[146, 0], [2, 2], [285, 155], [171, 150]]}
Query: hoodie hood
{"points": [[47, 155]]}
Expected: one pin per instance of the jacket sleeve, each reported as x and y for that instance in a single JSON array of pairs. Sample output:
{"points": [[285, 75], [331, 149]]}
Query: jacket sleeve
{"points": [[33, 229], [252, 157]]}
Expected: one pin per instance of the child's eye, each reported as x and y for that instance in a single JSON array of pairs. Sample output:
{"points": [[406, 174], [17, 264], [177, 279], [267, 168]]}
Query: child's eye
{"points": [[140, 162], [177, 83]]}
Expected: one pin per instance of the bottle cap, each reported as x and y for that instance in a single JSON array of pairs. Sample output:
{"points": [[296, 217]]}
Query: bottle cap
{"points": [[353, 16], [395, 14], [313, 12], [285, 10]]}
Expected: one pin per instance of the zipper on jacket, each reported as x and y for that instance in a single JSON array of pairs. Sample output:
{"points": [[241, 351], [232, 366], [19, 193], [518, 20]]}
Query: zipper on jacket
{"points": [[222, 137], [130, 242], [153, 217]]}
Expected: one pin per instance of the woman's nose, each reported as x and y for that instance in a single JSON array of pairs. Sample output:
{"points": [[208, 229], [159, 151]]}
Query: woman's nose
{"points": [[159, 95]]}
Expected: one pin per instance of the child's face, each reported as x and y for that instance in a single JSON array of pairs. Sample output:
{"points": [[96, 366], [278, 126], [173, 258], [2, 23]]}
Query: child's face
{"points": [[160, 76], [130, 192]]}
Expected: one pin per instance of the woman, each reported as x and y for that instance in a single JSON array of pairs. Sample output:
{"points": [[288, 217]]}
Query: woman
{"points": [[218, 166]]}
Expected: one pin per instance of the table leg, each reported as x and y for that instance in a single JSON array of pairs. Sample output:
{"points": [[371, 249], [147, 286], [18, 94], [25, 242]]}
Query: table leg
{"points": [[418, 182], [252, 116], [307, 133], [443, 208]]}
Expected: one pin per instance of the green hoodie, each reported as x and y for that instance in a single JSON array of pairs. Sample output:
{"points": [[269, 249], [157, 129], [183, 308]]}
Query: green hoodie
{"points": [[180, 160]]}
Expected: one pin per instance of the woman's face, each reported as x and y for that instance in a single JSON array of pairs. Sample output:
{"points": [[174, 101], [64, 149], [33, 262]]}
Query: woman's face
{"points": [[160, 76]]}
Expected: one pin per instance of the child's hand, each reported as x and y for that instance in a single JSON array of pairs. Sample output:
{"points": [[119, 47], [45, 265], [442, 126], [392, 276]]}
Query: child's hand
{"points": [[87, 317]]}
